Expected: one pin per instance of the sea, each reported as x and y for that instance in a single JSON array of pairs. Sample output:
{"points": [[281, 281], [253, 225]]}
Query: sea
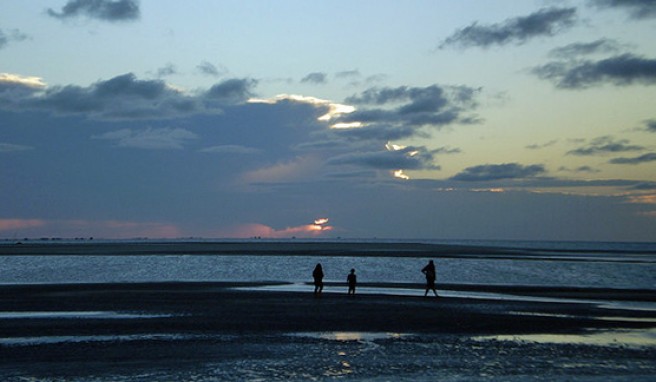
{"points": [[373, 356], [558, 264]]}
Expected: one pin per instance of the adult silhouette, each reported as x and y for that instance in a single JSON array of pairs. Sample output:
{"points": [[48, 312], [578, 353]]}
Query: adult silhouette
{"points": [[351, 279], [429, 271], [317, 275]]}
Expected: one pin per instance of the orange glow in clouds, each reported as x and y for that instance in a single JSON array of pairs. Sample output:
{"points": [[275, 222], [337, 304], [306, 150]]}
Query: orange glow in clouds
{"points": [[260, 230]]}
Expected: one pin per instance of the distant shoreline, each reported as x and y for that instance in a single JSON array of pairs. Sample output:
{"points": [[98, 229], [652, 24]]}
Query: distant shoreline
{"points": [[314, 248]]}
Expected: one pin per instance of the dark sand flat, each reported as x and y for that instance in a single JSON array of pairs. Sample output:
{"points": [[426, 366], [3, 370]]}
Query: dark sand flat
{"points": [[222, 307], [213, 331]]}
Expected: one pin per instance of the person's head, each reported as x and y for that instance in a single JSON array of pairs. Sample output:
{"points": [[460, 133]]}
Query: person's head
{"points": [[352, 270], [430, 262], [318, 265]]}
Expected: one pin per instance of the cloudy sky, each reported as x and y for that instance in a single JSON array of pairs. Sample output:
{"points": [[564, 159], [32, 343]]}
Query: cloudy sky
{"points": [[474, 119]]}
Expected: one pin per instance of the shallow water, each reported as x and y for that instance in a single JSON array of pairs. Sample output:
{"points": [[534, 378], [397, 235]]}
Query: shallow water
{"points": [[96, 269]]}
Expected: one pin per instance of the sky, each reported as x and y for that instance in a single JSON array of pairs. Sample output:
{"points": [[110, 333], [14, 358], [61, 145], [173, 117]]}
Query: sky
{"points": [[467, 120]]}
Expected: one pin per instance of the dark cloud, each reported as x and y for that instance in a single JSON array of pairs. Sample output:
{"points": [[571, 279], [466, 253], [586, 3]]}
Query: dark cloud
{"points": [[12, 35], [232, 91], [638, 9], [605, 145], [545, 22], [315, 78], [412, 107], [650, 125], [408, 158], [124, 97], [490, 172], [603, 45], [649, 157], [106, 10], [626, 69]]}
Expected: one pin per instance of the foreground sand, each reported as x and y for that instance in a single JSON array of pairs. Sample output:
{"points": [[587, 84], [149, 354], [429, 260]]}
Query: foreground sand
{"points": [[221, 307], [213, 331]]}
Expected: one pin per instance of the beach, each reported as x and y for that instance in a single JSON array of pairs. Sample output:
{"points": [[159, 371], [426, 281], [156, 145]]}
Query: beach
{"points": [[245, 311], [104, 331]]}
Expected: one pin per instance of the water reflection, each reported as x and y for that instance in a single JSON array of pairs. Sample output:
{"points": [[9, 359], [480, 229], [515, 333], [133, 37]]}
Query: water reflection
{"points": [[351, 336], [625, 338]]}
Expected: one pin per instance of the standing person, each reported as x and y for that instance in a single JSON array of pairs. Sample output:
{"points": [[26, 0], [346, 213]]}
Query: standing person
{"points": [[317, 275], [429, 271], [351, 279]]}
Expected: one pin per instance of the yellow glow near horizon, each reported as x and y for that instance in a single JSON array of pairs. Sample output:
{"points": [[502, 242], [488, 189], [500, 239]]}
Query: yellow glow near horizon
{"points": [[33, 82], [392, 147], [321, 221], [334, 109], [400, 174], [347, 125]]}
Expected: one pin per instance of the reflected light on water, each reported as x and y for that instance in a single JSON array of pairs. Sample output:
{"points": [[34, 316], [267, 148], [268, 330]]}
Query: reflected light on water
{"points": [[631, 338], [352, 336]]}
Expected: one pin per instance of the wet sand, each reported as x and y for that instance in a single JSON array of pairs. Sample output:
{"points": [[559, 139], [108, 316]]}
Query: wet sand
{"points": [[209, 331], [201, 313], [224, 307]]}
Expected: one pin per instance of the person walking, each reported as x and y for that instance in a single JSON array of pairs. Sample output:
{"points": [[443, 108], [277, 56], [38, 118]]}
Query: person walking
{"points": [[317, 275], [429, 271], [351, 280]]}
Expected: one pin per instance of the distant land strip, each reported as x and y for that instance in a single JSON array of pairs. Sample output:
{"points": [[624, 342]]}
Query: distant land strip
{"points": [[315, 249]]}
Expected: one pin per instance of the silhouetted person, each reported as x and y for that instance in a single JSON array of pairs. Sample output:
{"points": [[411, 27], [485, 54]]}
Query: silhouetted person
{"points": [[317, 275], [429, 271], [351, 279]]}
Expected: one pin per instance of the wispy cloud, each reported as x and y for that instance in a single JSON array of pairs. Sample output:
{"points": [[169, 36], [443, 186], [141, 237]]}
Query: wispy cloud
{"points": [[650, 125], [209, 69], [230, 149], [605, 145], [580, 169], [622, 70], [105, 10], [545, 22], [8, 147], [645, 158], [167, 70], [11, 35], [638, 9], [603, 45], [537, 146]]}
